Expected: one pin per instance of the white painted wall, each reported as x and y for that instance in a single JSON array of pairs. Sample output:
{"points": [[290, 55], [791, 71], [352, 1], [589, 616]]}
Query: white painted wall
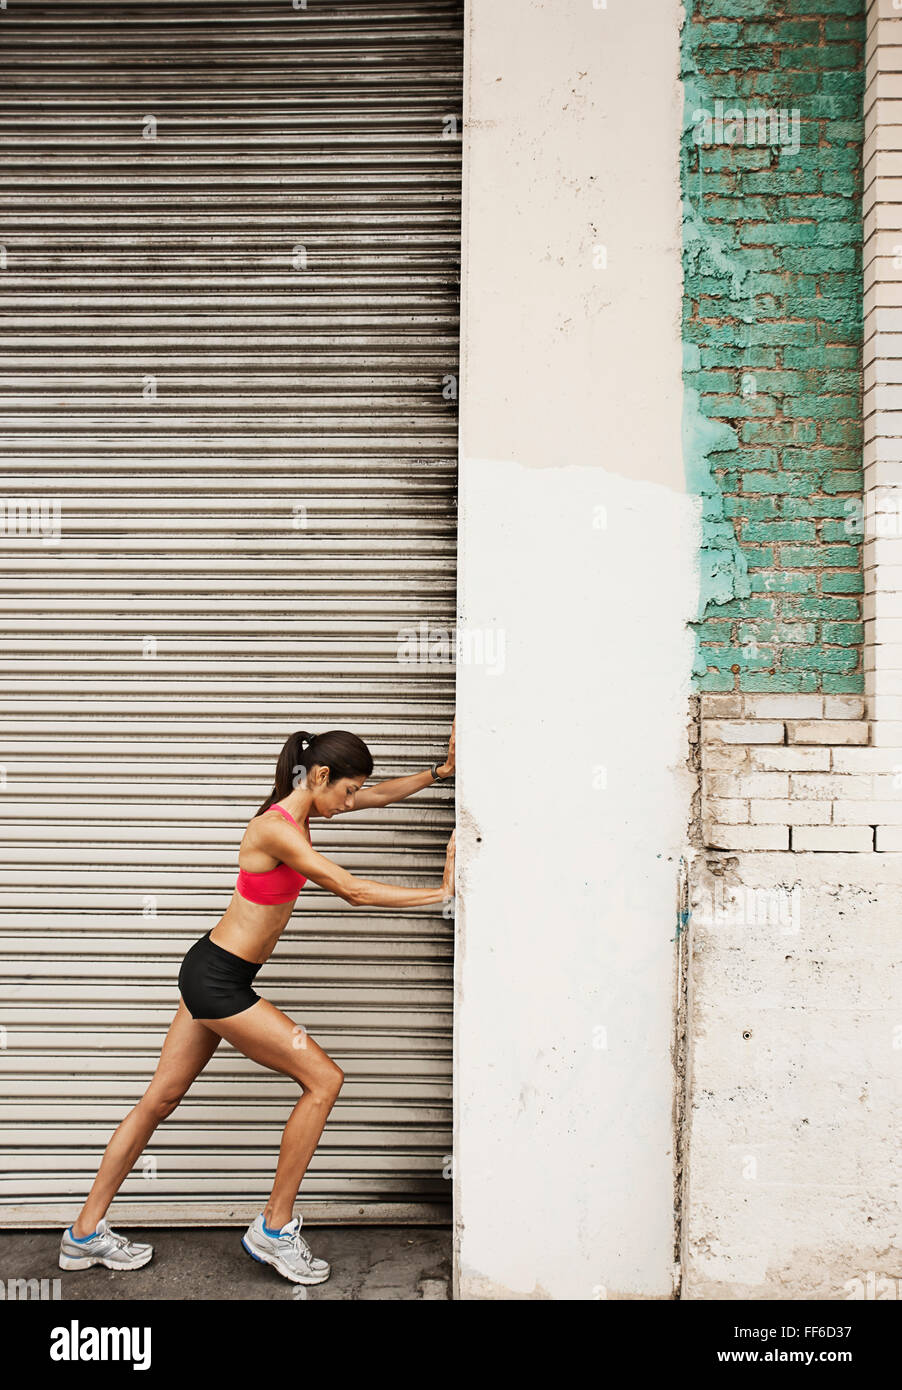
{"points": [[794, 1052], [578, 544]]}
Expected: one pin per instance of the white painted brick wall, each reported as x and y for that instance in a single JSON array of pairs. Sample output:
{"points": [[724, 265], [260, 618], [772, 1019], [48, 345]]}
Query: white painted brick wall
{"points": [[744, 784], [742, 731], [727, 812], [832, 731], [825, 786], [797, 772], [769, 759], [868, 760], [867, 813], [748, 837], [833, 837], [729, 758], [789, 812]]}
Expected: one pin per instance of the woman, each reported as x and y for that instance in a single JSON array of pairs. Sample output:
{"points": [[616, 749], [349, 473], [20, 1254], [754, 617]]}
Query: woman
{"points": [[319, 775]]}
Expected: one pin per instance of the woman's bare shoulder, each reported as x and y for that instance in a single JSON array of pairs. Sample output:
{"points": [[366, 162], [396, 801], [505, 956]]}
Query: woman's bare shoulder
{"points": [[270, 828]]}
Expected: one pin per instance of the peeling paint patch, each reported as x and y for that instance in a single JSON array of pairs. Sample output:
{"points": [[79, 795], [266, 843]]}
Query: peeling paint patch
{"points": [[723, 567]]}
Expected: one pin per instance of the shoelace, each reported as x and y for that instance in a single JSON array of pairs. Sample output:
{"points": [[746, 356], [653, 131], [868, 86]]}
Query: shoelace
{"points": [[299, 1244], [121, 1241]]}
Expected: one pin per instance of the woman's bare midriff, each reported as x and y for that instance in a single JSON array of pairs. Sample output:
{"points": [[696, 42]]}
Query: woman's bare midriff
{"points": [[251, 930]]}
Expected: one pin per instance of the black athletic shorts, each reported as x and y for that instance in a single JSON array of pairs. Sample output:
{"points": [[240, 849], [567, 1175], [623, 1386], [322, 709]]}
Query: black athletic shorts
{"points": [[214, 983]]}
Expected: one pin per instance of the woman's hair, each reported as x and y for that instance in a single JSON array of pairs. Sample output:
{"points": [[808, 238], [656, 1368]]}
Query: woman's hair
{"points": [[344, 754]]}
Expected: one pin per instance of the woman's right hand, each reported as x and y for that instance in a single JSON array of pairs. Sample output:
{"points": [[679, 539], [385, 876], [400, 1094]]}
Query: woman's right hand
{"points": [[448, 876]]}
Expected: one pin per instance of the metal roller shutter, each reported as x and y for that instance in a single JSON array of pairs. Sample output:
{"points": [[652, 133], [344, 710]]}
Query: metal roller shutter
{"points": [[252, 462]]}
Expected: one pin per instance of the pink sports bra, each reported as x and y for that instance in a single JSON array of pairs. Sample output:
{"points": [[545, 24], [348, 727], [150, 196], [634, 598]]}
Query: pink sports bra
{"points": [[279, 885]]}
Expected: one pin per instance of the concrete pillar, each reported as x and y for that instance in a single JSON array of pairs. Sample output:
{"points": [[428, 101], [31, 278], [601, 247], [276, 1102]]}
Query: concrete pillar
{"points": [[578, 555]]}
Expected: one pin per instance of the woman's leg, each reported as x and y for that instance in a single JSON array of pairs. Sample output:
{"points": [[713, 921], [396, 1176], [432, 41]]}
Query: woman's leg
{"points": [[268, 1036], [187, 1049]]}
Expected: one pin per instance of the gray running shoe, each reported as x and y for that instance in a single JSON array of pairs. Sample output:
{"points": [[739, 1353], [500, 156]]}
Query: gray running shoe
{"points": [[288, 1252], [106, 1247]]}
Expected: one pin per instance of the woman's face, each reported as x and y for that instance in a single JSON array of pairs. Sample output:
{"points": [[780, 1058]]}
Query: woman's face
{"points": [[335, 796]]}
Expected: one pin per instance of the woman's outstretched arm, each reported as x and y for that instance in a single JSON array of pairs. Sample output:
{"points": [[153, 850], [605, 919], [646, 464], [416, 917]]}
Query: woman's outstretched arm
{"points": [[397, 788], [283, 842]]}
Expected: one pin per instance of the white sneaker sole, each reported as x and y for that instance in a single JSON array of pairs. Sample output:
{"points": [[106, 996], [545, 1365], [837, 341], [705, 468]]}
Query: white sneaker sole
{"points": [[278, 1263], [85, 1261]]}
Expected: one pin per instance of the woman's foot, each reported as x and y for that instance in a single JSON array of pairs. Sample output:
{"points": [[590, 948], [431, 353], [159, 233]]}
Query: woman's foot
{"points": [[288, 1252], [103, 1247]]}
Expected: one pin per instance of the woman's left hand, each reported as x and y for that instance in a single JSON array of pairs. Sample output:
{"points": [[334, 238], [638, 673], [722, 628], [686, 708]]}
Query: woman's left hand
{"points": [[447, 767]]}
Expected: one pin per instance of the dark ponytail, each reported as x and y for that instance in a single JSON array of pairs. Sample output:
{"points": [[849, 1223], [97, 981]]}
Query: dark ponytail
{"points": [[344, 754]]}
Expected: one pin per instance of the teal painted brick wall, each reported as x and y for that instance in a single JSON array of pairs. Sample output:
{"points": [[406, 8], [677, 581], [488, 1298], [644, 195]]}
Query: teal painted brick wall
{"points": [[772, 338]]}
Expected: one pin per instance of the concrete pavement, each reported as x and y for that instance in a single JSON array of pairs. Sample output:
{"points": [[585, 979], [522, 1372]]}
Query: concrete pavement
{"points": [[368, 1262]]}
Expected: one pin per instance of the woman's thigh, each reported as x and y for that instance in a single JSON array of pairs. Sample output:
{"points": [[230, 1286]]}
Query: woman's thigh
{"points": [[268, 1036], [186, 1050]]}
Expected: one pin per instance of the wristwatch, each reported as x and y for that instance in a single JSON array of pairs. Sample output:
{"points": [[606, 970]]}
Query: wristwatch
{"points": [[435, 776]]}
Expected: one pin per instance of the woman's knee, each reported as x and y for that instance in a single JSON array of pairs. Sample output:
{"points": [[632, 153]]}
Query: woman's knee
{"points": [[161, 1103], [325, 1084]]}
